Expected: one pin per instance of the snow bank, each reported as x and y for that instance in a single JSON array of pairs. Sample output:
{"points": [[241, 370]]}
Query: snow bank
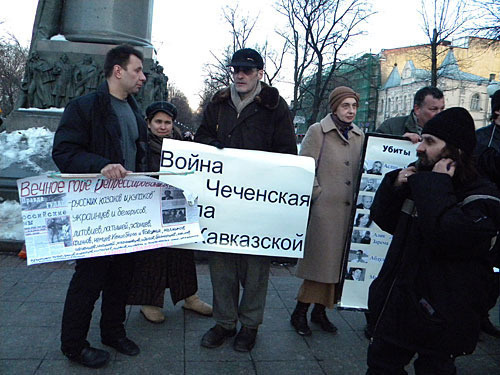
{"points": [[51, 109], [11, 224], [28, 147]]}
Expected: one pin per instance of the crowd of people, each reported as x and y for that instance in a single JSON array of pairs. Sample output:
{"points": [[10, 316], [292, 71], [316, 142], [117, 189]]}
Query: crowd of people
{"points": [[436, 285]]}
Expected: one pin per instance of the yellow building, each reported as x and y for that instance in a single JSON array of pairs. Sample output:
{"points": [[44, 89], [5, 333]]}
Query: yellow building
{"points": [[474, 55]]}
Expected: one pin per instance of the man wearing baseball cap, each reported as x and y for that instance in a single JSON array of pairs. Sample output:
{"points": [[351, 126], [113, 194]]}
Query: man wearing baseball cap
{"points": [[431, 292], [248, 114]]}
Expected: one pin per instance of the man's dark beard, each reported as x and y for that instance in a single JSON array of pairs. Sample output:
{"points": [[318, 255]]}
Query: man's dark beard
{"points": [[423, 163]]}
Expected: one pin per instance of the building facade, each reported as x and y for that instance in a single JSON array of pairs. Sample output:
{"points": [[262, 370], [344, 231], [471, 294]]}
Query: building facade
{"points": [[461, 89]]}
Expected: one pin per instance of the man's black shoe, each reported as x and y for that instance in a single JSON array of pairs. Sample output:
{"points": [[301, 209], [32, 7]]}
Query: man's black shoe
{"points": [[245, 339], [216, 336], [488, 327], [124, 345], [90, 357]]}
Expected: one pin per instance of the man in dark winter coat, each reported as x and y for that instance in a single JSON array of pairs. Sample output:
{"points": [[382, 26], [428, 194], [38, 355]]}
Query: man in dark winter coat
{"points": [[102, 132], [489, 136], [427, 103], [247, 115], [488, 152], [431, 291]]}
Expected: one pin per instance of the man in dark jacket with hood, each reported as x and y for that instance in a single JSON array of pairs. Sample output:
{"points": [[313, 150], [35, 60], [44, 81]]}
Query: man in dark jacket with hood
{"points": [[431, 291], [247, 115], [102, 132]]}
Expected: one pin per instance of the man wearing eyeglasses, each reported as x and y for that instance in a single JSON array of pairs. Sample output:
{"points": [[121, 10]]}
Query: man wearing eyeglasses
{"points": [[251, 115]]}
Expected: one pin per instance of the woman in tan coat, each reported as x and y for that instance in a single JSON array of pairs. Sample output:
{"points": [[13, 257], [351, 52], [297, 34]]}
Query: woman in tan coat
{"points": [[335, 143]]}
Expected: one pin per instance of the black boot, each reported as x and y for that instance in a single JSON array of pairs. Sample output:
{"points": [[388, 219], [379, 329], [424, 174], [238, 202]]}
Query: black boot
{"points": [[318, 316], [299, 319]]}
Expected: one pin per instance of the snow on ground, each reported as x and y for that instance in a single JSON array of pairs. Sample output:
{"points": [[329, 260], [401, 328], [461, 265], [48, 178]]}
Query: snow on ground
{"points": [[51, 109], [27, 147], [11, 224]]}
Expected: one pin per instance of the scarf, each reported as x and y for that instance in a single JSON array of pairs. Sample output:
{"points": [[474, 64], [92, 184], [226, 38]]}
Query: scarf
{"points": [[343, 127], [241, 104]]}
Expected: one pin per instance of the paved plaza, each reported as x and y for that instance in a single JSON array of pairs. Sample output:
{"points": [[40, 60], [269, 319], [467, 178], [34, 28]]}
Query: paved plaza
{"points": [[31, 304]]}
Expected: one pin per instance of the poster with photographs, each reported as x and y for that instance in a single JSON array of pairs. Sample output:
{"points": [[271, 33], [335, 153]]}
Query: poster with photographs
{"points": [[367, 244], [88, 217]]}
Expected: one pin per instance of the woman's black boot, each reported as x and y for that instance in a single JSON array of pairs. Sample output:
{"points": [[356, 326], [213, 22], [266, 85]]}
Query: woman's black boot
{"points": [[299, 319], [318, 316]]}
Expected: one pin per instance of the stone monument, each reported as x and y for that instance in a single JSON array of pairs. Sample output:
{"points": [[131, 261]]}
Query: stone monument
{"points": [[69, 42]]}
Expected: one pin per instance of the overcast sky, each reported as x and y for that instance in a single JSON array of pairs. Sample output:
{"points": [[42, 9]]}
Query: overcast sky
{"points": [[185, 32]]}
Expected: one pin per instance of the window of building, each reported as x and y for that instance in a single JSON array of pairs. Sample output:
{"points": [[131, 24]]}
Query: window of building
{"points": [[474, 102]]}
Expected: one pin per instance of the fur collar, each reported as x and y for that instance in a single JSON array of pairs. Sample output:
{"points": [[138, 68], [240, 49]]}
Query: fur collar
{"points": [[268, 97]]}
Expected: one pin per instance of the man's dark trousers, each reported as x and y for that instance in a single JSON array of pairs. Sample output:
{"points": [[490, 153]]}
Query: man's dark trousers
{"points": [[111, 275]]}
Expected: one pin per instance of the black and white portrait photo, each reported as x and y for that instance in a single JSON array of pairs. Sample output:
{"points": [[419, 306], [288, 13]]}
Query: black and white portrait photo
{"points": [[376, 168], [356, 274]]}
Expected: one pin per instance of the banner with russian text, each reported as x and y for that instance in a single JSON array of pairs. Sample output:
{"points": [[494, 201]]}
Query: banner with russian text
{"points": [[89, 217], [249, 202], [367, 245]]}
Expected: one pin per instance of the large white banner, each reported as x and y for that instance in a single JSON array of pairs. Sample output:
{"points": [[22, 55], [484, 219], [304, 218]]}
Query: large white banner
{"points": [[249, 202], [368, 247], [89, 217]]}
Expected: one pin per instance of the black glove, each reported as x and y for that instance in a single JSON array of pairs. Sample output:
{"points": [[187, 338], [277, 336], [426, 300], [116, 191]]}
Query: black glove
{"points": [[217, 144]]}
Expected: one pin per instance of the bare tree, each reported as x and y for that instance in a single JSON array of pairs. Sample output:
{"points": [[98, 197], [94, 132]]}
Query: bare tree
{"points": [[317, 31], [13, 58], [442, 19], [241, 26], [273, 60], [488, 23], [217, 74], [185, 117]]}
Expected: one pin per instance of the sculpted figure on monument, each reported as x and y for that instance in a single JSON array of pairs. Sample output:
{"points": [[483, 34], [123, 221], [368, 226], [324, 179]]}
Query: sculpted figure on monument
{"points": [[160, 84], [86, 77], [146, 95], [63, 87], [155, 87], [40, 77]]}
